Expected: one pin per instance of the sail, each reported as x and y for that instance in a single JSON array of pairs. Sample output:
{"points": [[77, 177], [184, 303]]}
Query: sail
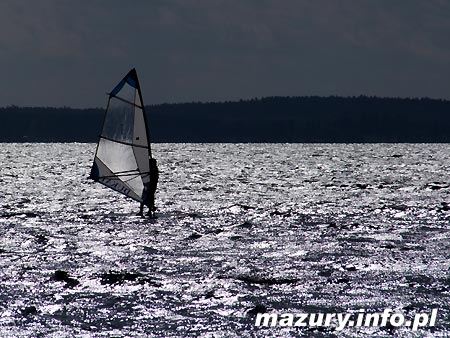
{"points": [[123, 152]]}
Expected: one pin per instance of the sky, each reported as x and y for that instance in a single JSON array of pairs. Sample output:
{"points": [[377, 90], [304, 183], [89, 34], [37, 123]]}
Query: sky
{"points": [[71, 53]]}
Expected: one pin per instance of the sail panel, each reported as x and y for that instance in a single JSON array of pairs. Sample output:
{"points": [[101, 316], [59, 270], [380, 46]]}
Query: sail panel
{"points": [[119, 121], [139, 130], [121, 162], [102, 174], [141, 156], [127, 93]]}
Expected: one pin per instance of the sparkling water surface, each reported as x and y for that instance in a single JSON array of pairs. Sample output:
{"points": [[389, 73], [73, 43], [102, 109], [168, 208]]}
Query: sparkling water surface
{"points": [[240, 228]]}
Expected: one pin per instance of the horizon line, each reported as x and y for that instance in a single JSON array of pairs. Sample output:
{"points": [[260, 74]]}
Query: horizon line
{"points": [[250, 100]]}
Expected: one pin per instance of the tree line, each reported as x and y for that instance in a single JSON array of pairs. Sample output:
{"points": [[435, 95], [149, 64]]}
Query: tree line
{"points": [[270, 119]]}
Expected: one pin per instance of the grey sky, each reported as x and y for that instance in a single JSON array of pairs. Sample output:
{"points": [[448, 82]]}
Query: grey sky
{"points": [[68, 52]]}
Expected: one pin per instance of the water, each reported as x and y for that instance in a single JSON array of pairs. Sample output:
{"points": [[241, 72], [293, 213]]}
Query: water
{"points": [[286, 227]]}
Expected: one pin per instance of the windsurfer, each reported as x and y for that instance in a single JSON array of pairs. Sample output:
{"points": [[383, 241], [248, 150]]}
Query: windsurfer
{"points": [[149, 190]]}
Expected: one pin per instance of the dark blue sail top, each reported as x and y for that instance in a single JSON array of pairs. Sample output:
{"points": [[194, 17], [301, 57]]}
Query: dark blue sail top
{"points": [[130, 78]]}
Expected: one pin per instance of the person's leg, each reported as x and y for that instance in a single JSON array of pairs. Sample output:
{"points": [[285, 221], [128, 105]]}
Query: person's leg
{"points": [[152, 202], [151, 206]]}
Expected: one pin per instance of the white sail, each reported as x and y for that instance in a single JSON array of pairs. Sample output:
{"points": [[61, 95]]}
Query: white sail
{"points": [[123, 152]]}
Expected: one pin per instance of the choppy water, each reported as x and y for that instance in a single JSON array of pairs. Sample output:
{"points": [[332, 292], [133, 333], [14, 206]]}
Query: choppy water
{"points": [[288, 228]]}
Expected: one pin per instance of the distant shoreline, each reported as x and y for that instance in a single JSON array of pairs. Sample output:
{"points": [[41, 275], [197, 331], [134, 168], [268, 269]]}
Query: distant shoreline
{"points": [[267, 120]]}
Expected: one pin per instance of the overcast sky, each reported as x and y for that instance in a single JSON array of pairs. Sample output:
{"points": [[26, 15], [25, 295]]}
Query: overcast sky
{"points": [[68, 52]]}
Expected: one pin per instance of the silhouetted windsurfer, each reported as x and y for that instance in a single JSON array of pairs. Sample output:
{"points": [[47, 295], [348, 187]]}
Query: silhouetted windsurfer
{"points": [[121, 160], [149, 190]]}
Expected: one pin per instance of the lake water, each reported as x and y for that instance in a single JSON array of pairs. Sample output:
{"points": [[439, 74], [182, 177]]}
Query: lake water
{"points": [[276, 227]]}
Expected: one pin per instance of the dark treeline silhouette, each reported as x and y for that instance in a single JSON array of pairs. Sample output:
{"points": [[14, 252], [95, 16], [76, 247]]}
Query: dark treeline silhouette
{"points": [[271, 119]]}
